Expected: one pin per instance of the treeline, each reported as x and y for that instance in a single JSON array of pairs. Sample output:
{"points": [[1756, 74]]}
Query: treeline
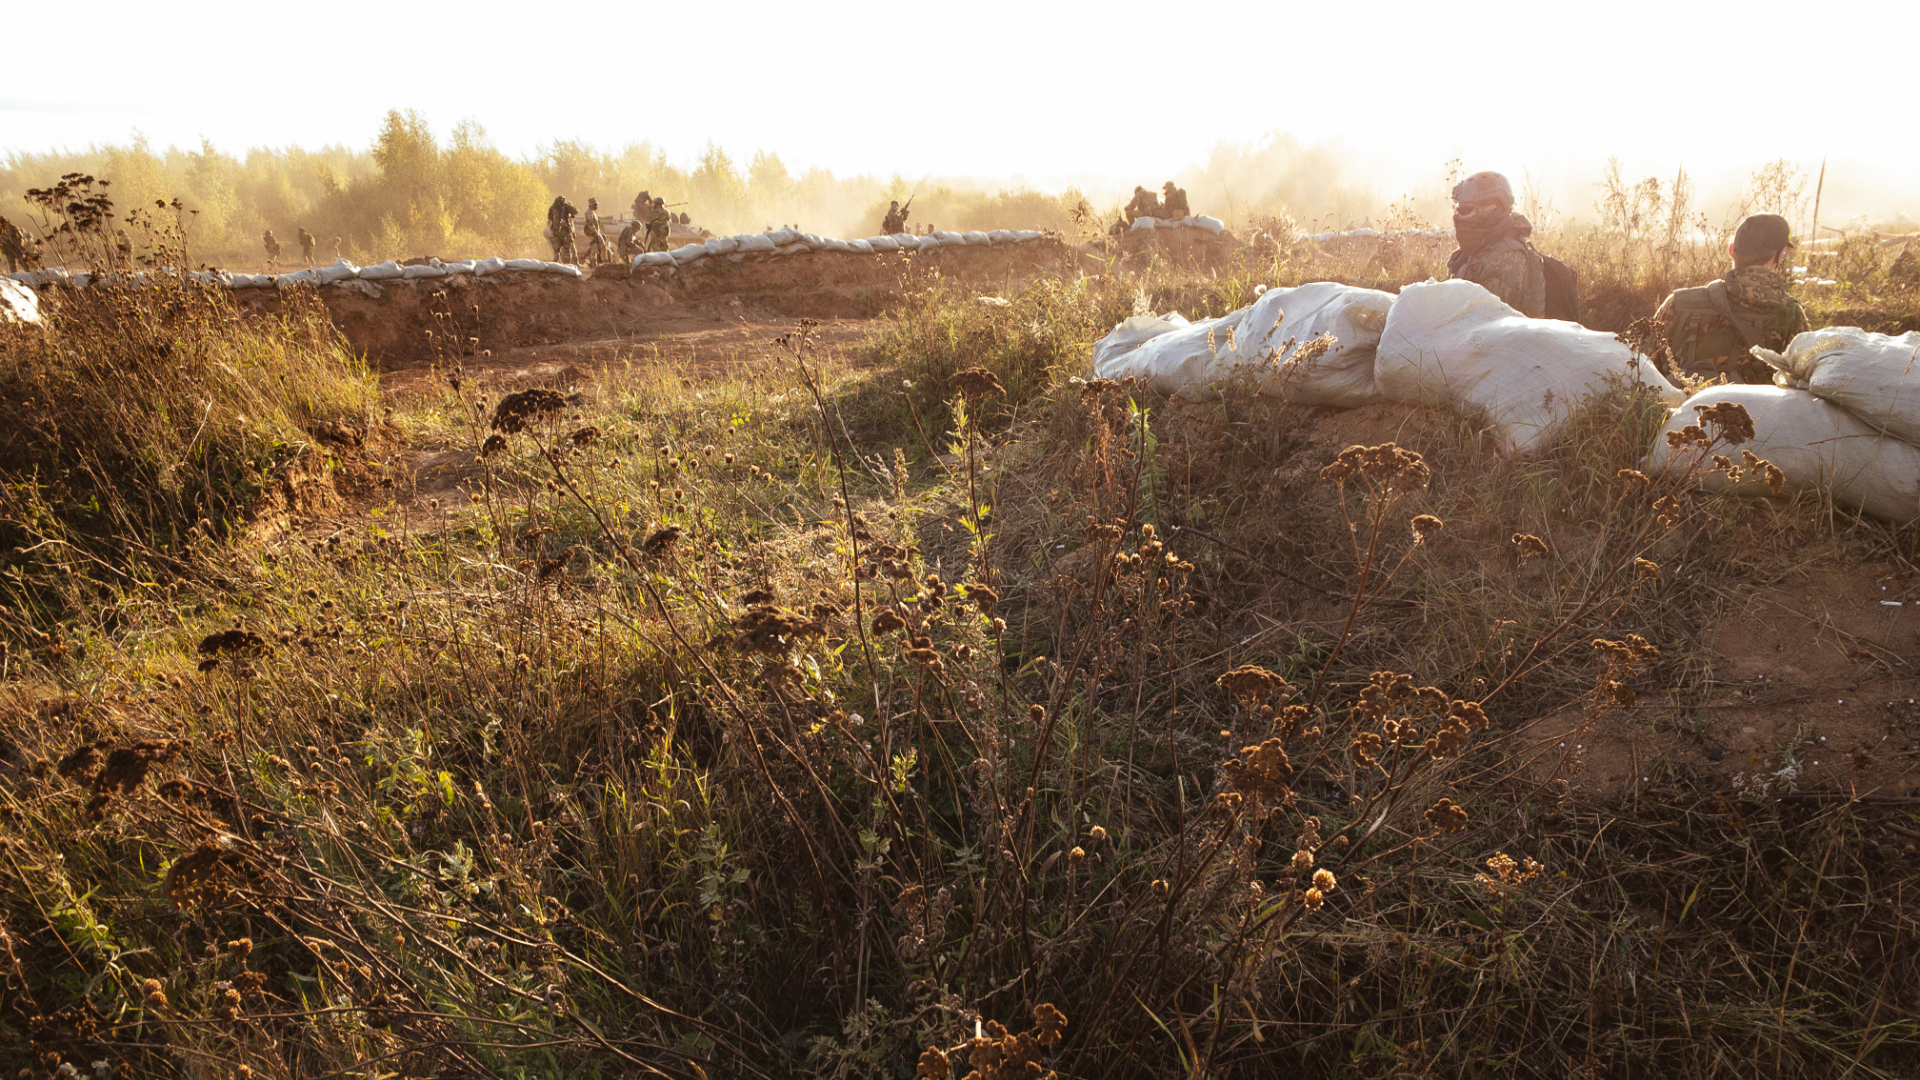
{"points": [[412, 193]]}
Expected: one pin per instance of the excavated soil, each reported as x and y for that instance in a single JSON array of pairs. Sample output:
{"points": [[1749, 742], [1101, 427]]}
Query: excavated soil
{"points": [[400, 324]]}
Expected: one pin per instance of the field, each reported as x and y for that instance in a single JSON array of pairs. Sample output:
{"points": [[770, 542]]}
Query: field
{"points": [[731, 687]]}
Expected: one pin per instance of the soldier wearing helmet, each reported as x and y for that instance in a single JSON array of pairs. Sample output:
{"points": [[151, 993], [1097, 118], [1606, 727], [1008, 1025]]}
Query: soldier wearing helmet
{"points": [[1174, 204], [1492, 245], [1709, 332]]}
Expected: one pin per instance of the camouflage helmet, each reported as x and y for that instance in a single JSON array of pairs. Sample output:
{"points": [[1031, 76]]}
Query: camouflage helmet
{"points": [[1168, 185], [1484, 187], [593, 204]]}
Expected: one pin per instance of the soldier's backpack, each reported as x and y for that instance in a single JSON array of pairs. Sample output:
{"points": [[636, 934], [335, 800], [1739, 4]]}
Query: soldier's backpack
{"points": [[1563, 285], [1563, 289]]}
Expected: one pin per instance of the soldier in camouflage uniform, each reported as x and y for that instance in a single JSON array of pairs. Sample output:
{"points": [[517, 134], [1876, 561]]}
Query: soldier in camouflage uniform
{"points": [[1174, 205], [659, 222], [1493, 249], [1708, 332], [272, 246], [597, 250], [896, 219], [306, 246], [632, 239], [1145, 204], [16, 247], [560, 229]]}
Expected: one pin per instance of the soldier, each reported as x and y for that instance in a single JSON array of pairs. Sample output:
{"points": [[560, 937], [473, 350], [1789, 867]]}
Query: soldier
{"points": [[597, 250], [633, 239], [1145, 204], [1493, 249], [1176, 203], [273, 247], [1708, 332], [560, 229], [642, 204], [896, 219], [306, 246], [15, 245], [659, 223]]}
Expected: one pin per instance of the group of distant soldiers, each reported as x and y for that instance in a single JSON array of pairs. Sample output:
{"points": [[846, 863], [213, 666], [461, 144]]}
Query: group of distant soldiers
{"points": [[1171, 207], [307, 243], [1704, 332], [646, 231]]}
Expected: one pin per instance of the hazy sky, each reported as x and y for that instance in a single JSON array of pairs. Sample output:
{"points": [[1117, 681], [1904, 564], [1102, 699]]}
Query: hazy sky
{"points": [[1039, 90]]}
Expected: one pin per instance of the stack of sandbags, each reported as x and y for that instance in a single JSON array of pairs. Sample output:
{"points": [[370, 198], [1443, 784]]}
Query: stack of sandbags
{"points": [[1259, 346], [1817, 444], [1454, 343], [1843, 418]]}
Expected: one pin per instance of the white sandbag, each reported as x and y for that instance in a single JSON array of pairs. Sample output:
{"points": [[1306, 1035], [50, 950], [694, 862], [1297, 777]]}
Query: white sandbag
{"points": [[721, 245], [1142, 224], [755, 242], [1454, 343], [1873, 376], [795, 248], [297, 278], [944, 239], [383, 272], [1343, 376], [18, 304], [536, 266], [881, 243], [1201, 221], [975, 238], [1025, 236], [485, 267], [424, 270], [832, 243], [1170, 354], [563, 269], [783, 236], [1816, 443], [1001, 236], [654, 258], [859, 247], [688, 253], [81, 279], [248, 281], [907, 241], [464, 266], [339, 271]]}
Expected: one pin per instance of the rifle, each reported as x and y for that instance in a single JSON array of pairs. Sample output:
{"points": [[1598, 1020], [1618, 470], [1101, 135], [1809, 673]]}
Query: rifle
{"points": [[910, 198]]}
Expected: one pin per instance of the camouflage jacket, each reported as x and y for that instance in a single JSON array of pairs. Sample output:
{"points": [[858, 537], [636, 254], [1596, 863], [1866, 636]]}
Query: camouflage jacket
{"points": [[1507, 266], [1696, 332]]}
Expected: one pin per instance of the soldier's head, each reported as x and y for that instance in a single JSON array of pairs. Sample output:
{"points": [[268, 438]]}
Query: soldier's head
{"points": [[660, 201], [593, 204], [895, 205], [1482, 195], [1169, 187], [1138, 190], [1761, 240]]}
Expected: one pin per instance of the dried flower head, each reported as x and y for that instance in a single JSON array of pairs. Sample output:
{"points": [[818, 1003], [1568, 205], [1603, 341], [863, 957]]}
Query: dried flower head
{"points": [[1529, 545], [1049, 1024], [977, 382], [516, 411], [1734, 425], [934, 1065], [888, 621], [1324, 880], [1313, 899], [1447, 816], [1259, 772], [1385, 468], [494, 444], [1634, 478], [1425, 525], [1251, 684], [1668, 511], [1302, 861]]}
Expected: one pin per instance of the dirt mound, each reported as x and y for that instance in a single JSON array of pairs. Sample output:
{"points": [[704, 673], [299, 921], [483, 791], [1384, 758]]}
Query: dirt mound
{"points": [[402, 323]]}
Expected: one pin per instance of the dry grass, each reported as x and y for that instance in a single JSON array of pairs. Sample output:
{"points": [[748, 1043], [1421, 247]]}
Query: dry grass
{"points": [[821, 725]]}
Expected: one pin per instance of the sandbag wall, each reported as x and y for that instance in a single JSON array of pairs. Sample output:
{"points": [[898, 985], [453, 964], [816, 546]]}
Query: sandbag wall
{"points": [[399, 315], [1844, 419]]}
